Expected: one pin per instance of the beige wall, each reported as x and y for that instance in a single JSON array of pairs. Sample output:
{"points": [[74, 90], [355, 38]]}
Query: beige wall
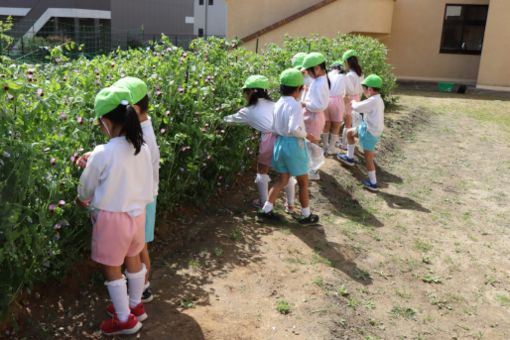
{"points": [[342, 16], [416, 38], [494, 66]]}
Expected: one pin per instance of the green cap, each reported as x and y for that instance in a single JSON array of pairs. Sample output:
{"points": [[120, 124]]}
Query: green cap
{"points": [[349, 54], [109, 98], [297, 60], [373, 81], [337, 62], [135, 86], [292, 77], [313, 59], [256, 82]]}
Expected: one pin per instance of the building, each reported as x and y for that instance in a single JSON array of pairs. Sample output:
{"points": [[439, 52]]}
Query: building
{"points": [[106, 24], [464, 41]]}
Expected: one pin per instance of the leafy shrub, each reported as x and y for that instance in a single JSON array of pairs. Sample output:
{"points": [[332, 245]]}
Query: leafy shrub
{"points": [[46, 120]]}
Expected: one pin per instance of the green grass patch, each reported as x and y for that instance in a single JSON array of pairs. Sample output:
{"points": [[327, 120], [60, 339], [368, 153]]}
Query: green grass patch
{"points": [[283, 307]]}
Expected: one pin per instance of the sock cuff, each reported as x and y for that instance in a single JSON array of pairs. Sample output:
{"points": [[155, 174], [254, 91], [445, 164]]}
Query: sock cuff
{"points": [[116, 283], [147, 285], [292, 181], [141, 273]]}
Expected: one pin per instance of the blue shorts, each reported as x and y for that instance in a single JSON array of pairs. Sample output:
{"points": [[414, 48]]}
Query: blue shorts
{"points": [[150, 220], [367, 140], [290, 156]]}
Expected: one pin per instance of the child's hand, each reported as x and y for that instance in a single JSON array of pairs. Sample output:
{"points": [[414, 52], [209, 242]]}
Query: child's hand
{"points": [[83, 204], [82, 160], [303, 104]]}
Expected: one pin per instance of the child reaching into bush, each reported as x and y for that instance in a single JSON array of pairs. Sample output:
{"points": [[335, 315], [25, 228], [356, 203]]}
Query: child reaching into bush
{"points": [[353, 90], [289, 155], [370, 129], [336, 107], [259, 115], [316, 100], [117, 184]]}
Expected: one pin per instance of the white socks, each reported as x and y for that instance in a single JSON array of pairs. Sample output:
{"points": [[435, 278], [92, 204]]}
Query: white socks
{"points": [[350, 150], [305, 212], [136, 286], [119, 296], [371, 177], [290, 191], [262, 181], [147, 285], [344, 136], [268, 206], [325, 140], [333, 139]]}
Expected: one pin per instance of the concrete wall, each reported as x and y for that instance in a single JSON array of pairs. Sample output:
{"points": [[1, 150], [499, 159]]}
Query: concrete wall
{"points": [[415, 41], [216, 18], [494, 69]]}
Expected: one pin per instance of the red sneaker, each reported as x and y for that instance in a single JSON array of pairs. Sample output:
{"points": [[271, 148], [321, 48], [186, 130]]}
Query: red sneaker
{"points": [[138, 311], [115, 327]]}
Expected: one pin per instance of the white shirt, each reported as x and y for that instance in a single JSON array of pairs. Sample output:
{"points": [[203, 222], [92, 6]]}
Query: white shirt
{"points": [[317, 97], [338, 84], [150, 139], [288, 118], [259, 116], [117, 180], [353, 84], [373, 113]]}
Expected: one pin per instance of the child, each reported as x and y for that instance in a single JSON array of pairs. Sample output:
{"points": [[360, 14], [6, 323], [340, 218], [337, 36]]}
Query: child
{"points": [[370, 129], [259, 115], [289, 155], [353, 88], [117, 185], [138, 90], [316, 100], [334, 112]]}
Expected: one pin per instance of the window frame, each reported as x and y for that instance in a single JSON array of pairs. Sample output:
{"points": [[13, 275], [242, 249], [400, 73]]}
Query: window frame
{"points": [[465, 23]]}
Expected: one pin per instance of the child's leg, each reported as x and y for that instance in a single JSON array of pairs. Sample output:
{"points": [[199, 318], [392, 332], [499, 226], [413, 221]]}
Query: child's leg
{"points": [[145, 259], [351, 142], [275, 191], [117, 289], [325, 135], [369, 158], [135, 273], [290, 193], [304, 198], [262, 180]]}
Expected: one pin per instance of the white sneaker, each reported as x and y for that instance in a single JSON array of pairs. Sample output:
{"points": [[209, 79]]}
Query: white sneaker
{"points": [[332, 150], [314, 175]]}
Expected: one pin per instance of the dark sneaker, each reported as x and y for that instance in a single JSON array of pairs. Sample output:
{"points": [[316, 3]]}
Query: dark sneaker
{"points": [[115, 327], [269, 216], [370, 186], [345, 160], [310, 220], [138, 311], [147, 295]]}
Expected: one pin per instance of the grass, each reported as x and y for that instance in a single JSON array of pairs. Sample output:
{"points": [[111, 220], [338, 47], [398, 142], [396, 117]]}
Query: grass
{"points": [[318, 258], [407, 313], [422, 246], [503, 299], [343, 291], [283, 307]]}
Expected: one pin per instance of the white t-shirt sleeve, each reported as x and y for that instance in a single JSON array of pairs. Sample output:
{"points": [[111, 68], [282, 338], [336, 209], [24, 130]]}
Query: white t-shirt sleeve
{"points": [[318, 96], [365, 106], [296, 120], [241, 117], [89, 179]]}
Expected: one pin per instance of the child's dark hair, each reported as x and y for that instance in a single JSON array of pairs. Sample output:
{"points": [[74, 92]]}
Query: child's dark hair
{"points": [[143, 104], [373, 88], [354, 65], [339, 68], [323, 67], [125, 116], [255, 95], [288, 90]]}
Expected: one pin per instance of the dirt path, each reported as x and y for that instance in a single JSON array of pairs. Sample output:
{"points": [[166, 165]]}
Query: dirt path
{"points": [[426, 258]]}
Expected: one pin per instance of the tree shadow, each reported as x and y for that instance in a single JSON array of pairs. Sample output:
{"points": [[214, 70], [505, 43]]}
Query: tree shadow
{"points": [[345, 205]]}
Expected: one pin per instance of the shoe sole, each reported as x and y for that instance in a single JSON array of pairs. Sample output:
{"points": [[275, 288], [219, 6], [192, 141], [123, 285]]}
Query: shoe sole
{"points": [[140, 318], [345, 162], [130, 331], [371, 189], [149, 299]]}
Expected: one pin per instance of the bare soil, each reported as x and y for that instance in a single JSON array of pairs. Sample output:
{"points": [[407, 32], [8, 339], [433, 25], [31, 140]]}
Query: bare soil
{"points": [[428, 257]]}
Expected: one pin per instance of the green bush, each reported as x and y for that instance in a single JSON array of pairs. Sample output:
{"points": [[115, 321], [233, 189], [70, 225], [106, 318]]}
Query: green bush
{"points": [[46, 122]]}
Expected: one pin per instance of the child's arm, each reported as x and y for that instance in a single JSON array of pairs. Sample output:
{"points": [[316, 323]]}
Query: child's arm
{"points": [[240, 117], [89, 180], [364, 106]]}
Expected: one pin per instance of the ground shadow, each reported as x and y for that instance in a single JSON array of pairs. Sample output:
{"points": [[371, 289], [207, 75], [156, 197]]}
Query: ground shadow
{"points": [[399, 202]]}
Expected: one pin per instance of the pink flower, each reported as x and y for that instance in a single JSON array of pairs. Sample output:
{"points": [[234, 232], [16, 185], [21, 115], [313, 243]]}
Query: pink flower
{"points": [[57, 226], [40, 92], [61, 203], [52, 207], [167, 113], [53, 161], [162, 131], [79, 119]]}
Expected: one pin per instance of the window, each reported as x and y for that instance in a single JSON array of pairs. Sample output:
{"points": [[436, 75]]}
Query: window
{"points": [[200, 32], [211, 2], [200, 2], [463, 29]]}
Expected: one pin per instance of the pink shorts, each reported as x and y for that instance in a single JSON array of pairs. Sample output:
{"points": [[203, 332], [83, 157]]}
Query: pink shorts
{"points": [[267, 140], [348, 106], [335, 110], [116, 235], [314, 123]]}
